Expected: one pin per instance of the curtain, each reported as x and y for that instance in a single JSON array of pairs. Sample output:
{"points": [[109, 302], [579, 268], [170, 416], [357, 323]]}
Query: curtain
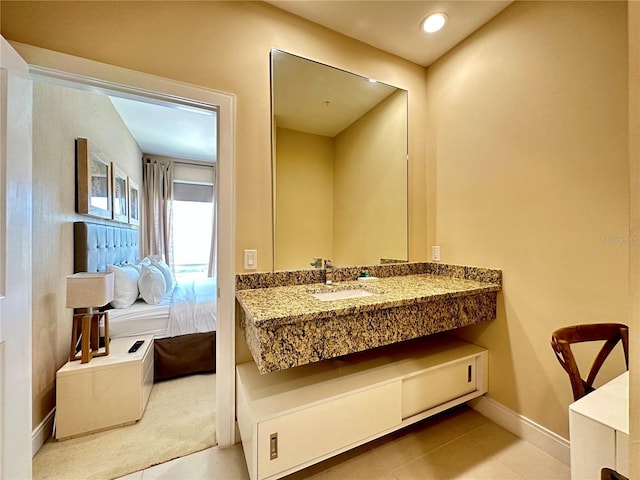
{"points": [[213, 254], [158, 197]]}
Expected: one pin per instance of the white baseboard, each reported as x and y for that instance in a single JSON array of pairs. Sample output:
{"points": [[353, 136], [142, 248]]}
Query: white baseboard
{"points": [[544, 439], [42, 433]]}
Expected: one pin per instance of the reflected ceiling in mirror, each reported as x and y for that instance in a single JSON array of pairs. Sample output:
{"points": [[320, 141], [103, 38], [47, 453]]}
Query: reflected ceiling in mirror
{"points": [[339, 166]]}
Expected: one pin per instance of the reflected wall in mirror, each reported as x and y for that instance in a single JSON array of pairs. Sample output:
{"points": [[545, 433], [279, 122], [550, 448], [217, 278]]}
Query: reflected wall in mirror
{"points": [[339, 166]]}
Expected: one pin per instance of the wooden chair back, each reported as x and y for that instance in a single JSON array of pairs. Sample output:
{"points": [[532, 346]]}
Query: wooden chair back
{"points": [[563, 338], [610, 474]]}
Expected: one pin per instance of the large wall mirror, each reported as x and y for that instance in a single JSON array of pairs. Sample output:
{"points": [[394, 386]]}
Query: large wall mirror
{"points": [[339, 166]]}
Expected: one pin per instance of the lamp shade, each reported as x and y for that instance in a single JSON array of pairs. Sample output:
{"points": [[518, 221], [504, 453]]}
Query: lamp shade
{"points": [[85, 289]]}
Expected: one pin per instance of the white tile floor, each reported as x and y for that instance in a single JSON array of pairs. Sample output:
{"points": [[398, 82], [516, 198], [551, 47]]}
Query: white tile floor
{"points": [[458, 444]]}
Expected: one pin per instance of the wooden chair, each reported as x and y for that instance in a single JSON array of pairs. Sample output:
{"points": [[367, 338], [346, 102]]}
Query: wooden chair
{"points": [[609, 474], [610, 333]]}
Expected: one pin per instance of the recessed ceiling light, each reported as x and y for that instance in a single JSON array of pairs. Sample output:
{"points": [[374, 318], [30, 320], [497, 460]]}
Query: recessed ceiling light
{"points": [[434, 22]]}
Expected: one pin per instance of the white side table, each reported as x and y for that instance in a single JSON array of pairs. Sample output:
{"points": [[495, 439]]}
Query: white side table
{"points": [[106, 392], [599, 430]]}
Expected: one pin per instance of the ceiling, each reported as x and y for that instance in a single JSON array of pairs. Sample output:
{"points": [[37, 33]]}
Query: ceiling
{"points": [[392, 26], [314, 98], [170, 130]]}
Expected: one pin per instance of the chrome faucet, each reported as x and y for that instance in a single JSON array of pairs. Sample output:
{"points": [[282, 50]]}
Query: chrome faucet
{"points": [[328, 272], [317, 263]]}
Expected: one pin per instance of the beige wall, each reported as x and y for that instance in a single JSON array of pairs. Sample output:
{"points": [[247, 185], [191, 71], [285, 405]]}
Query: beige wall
{"points": [[60, 116], [528, 140], [224, 46], [370, 186], [304, 198]]}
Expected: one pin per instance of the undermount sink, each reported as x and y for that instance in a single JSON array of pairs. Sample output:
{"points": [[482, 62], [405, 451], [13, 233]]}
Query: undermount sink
{"points": [[342, 294]]}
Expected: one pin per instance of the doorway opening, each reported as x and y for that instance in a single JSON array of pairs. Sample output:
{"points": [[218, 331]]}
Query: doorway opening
{"points": [[145, 88]]}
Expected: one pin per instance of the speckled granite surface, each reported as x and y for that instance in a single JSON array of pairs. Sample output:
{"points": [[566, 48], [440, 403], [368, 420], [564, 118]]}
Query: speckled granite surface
{"points": [[285, 326], [248, 281]]}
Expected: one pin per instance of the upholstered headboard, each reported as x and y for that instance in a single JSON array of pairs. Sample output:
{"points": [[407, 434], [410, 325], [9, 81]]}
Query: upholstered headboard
{"points": [[96, 246]]}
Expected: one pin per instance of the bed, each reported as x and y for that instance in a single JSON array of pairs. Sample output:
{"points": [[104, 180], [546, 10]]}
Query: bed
{"points": [[183, 321]]}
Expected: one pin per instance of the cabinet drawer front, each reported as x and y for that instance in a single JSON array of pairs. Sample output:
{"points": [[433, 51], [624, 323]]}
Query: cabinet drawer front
{"points": [[435, 387], [324, 428], [96, 400]]}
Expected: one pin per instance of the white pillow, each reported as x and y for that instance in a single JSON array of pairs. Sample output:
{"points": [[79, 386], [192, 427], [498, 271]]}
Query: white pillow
{"points": [[166, 272], [125, 285], [138, 266], [152, 285]]}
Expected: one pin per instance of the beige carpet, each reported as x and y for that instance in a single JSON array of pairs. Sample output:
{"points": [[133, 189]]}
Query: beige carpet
{"points": [[179, 420]]}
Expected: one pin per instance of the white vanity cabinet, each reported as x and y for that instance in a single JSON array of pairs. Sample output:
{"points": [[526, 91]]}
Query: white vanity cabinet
{"points": [[599, 430], [294, 418], [108, 391]]}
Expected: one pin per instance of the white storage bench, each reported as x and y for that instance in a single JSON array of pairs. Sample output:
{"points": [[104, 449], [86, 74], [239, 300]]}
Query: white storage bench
{"points": [[294, 418]]}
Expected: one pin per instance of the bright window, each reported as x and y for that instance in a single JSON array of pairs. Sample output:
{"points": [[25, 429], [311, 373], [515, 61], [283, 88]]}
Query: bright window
{"points": [[192, 230]]}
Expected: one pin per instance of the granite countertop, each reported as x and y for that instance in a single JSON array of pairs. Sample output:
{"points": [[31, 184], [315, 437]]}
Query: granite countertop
{"points": [[291, 304]]}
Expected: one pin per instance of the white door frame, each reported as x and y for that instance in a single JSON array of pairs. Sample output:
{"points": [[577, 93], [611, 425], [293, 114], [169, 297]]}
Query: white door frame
{"points": [[15, 264], [91, 75]]}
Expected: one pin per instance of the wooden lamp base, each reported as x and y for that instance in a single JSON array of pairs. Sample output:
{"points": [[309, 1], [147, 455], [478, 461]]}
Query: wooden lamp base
{"points": [[86, 330]]}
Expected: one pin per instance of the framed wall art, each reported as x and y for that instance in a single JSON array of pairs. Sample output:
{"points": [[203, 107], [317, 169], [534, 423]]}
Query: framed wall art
{"points": [[134, 202], [120, 195], [93, 181]]}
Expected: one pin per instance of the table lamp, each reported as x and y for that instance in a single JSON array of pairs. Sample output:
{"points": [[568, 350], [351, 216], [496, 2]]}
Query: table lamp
{"points": [[87, 291]]}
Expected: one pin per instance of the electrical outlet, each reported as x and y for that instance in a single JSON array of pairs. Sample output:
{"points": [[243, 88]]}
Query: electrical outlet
{"points": [[435, 253], [250, 259]]}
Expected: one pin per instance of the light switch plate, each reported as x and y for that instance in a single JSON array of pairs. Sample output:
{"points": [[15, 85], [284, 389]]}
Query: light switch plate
{"points": [[250, 259]]}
